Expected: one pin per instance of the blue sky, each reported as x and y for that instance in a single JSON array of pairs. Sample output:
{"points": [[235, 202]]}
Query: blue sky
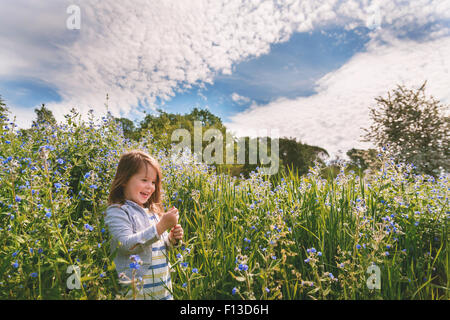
{"points": [[288, 70], [306, 68]]}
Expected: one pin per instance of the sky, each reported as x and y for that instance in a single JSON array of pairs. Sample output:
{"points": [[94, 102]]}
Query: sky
{"points": [[305, 69]]}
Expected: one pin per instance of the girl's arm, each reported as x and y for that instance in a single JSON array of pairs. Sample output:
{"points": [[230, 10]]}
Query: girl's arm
{"points": [[120, 228]]}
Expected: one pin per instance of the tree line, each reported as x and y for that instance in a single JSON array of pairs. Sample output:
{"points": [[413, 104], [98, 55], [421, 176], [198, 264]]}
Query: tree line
{"points": [[411, 126]]}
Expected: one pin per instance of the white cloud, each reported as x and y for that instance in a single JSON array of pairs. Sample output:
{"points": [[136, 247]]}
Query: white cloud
{"points": [[332, 118], [239, 99], [141, 50]]}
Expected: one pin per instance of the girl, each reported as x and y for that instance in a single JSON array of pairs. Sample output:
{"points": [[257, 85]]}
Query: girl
{"points": [[138, 225]]}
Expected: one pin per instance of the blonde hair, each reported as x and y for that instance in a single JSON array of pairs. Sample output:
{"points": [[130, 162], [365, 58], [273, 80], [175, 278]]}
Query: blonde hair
{"points": [[129, 164]]}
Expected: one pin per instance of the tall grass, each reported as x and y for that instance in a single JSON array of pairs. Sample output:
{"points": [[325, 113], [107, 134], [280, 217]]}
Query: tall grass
{"points": [[305, 237]]}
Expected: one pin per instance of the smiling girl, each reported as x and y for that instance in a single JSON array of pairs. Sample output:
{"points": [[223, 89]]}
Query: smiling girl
{"points": [[137, 224]]}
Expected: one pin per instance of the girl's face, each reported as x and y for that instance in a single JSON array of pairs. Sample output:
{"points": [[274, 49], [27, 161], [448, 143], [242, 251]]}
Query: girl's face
{"points": [[141, 185]]}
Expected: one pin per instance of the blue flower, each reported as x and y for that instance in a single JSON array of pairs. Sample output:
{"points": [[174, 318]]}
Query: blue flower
{"points": [[358, 246], [48, 213], [184, 285], [306, 260], [60, 161], [319, 254], [88, 227], [134, 265], [135, 258], [267, 290], [93, 186], [331, 275], [15, 264], [184, 264], [243, 267], [233, 292], [386, 253], [58, 185], [18, 199], [194, 270], [34, 275], [179, 256]]}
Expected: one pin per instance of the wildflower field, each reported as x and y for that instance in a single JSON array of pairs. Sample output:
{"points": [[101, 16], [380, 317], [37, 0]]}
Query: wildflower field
{"points": [[305, 237]]}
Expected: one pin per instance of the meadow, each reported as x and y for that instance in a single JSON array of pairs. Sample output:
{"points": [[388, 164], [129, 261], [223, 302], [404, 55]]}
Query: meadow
{"points": [[307, 237]]}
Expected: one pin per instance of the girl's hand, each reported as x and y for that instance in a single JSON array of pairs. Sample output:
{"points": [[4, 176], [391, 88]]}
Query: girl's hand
{"points": [[176, 234], [168, 221]]}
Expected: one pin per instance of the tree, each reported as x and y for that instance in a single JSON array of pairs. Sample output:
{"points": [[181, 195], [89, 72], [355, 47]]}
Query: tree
{"points": [[2, 105], [129, 129], [3, 111], [413, 127], [44, 115], [362, 160], [298, 156]]}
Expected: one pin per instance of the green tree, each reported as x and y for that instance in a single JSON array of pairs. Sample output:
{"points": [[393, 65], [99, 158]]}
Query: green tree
{"points": [[363, 159], [3, 111], [162, 125], [44, 115], [413, 127], [3, 108], [129, 129], [299, 157]]}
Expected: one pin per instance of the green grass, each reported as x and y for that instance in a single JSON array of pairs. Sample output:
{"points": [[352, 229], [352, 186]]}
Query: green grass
{"points": [[305, 237]]}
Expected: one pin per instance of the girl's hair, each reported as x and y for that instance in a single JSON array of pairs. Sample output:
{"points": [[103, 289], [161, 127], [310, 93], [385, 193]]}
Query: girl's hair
{"points": [[129, 164]]}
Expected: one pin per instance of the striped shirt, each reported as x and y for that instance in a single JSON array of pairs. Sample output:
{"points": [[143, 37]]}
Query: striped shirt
{"points": [[157, 282]]}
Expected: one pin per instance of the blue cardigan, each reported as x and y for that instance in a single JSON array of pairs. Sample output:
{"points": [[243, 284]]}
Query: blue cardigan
{"points": [[132, 233]]}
